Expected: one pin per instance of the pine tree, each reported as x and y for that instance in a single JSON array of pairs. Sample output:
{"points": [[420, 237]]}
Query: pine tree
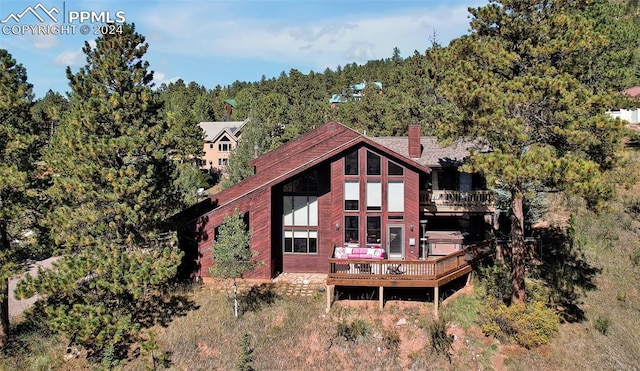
{"points": [[232, 256], [17, 158], [254, 139], [112, 187], [521, 80]]}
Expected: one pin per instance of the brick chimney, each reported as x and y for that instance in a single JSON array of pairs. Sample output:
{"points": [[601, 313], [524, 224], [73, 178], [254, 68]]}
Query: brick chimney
{"points": [[415, 148]]}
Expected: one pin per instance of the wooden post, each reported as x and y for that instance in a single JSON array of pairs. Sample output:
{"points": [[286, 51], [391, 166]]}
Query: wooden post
{"points": [[381, 299], [436, 300], [330, 289]]}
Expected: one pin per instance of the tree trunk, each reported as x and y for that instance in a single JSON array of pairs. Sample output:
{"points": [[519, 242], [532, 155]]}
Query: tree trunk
{"points": [[4, 290], [518, 253], [235, 298]]}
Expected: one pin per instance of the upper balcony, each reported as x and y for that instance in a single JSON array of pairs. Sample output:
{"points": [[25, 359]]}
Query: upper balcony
{"points": [[457, 201]]}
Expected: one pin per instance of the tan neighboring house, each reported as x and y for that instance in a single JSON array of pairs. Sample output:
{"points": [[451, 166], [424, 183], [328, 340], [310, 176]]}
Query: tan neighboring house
{"points": [[221, 137]]}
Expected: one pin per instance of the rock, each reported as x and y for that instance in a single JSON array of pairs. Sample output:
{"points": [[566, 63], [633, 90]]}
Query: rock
{"points": [[401, 321]]}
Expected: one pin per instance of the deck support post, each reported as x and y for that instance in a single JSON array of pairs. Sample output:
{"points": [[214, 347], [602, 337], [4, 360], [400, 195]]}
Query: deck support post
{"points": [[329, 290], [436, 300], [381, 297]]}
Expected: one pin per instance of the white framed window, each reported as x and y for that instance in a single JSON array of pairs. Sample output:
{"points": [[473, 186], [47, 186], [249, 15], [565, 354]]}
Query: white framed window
{"points": [[374, 195], [300, 242], [300, 210], [395, 197], [351, 195]]}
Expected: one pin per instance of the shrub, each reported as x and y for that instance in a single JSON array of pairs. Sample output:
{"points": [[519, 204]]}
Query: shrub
{"points": [[354, 330], [497, 281], [441, 341], [245, 362], [528, 326], [602, 325]]}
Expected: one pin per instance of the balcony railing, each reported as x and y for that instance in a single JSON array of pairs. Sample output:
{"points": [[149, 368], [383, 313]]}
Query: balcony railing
{"points": [[442, 199], [408, 273]]}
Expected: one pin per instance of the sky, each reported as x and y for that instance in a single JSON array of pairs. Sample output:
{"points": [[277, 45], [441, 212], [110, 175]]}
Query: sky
{"points": [[218, 42]]}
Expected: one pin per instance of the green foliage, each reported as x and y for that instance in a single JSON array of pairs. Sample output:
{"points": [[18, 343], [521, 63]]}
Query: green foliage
{"points": [[529, 326], [245, 362], [441, 342], [254, 136], [523, 82], [352, 331], [602, 325], [183, 108], [189, 178], [112, 185], [18, 154], [232, 255], [152, 357], [496, 280]]}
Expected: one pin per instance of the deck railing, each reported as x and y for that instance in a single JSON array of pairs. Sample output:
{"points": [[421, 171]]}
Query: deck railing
{"points": [[483, 198], [372, 272]]}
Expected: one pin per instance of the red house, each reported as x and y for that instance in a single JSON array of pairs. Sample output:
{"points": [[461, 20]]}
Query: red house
{"points": [[382, 211]]}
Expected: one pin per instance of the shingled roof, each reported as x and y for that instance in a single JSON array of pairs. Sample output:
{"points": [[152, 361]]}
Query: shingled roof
{"points": [[433, 153]]}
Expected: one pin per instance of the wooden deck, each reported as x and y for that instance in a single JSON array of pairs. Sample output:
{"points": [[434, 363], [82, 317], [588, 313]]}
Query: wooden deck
{"points": [[432, 272]]}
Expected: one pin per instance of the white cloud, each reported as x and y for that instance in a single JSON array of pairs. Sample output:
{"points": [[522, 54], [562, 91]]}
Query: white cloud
{"points": [[321, 43], [159, 78], [69, 58], [44, 41], [72, 58]]}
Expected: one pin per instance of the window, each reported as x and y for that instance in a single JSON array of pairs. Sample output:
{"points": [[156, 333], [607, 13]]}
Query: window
{"points": [[373, 164], [374, 196], [448, 179], [210, 145], [223, 161], [373, 229], [351, 163], [300, 210], [351, 229], [395, 197], [306, 183], [224, 147], [395, 169], [301, 241], [351, 195]]}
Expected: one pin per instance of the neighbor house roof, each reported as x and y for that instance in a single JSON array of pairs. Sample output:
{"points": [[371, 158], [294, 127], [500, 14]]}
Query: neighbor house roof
{"points": [[433, 153], [213, 129], [633, 92]]}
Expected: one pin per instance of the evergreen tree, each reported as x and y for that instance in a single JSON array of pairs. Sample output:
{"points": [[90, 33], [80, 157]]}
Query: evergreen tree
{"points": [[17, 158], [231, 253], [521, 80], [112, 186], [254, 139]]}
